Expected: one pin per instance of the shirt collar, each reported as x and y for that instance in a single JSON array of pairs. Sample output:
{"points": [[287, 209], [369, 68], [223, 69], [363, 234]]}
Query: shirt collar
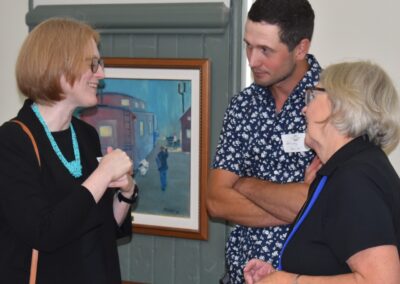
{"points": [[310, 79], [345, 153]]}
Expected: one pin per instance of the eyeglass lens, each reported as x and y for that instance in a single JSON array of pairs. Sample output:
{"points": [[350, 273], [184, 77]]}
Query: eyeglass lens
{"points": [[95, 64], [310, 94]]}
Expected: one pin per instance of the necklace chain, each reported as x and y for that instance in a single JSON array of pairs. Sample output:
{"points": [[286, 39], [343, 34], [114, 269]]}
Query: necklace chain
{"points": [[74, 166]]}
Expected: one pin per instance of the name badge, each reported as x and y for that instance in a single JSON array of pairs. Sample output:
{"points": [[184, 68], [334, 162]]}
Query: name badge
{"points": [[294, 143]]}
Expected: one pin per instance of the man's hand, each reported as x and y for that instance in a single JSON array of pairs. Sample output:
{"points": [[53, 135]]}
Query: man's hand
{"points": [[312, 170], [256, 269]]}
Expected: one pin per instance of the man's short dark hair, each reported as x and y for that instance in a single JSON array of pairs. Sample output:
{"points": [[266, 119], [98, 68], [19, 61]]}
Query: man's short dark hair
{"points": [[295, 18]]}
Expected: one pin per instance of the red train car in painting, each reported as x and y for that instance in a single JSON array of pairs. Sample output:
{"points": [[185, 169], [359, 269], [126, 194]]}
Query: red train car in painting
{"points": [[122, 121], [115, 126]]}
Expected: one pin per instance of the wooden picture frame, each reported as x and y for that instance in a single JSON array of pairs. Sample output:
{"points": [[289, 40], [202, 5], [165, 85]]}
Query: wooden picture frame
{"points": [[157, 110]]}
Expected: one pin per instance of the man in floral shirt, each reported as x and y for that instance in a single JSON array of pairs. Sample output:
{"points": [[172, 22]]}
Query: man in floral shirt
{"points": [[260, 162]]}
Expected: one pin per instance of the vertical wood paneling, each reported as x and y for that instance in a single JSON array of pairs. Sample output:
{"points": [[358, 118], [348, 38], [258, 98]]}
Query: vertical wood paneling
{"points": [[168, 46], [190, 46], [142, 258], [106, 45], [121, 44], [164, 261], [218, 49], [143, 45], [188, 250], [124, 254], [212, 258]]}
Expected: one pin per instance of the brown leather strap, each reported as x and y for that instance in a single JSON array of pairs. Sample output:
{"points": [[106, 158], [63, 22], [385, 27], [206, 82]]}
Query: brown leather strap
{"points": [[34, 263], [35, 253], [29, 133]]}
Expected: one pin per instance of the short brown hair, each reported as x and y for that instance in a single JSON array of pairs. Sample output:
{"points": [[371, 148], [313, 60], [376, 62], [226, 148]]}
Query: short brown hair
{"points": [[295, 19], [56, 47]]}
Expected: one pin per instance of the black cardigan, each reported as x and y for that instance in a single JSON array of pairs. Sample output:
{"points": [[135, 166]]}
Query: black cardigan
{"points": [[48, 209]]}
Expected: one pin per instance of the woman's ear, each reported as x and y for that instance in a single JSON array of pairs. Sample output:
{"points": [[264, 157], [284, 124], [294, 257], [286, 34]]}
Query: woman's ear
{"points": [[65, 85]]}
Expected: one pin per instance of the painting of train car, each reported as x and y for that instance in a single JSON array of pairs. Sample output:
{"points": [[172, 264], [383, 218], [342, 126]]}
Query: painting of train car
{"points": [[159, 117]]}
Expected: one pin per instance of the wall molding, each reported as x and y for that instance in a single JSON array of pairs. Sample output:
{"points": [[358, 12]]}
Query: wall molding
{"points": [[141, 18], [96, 2]]}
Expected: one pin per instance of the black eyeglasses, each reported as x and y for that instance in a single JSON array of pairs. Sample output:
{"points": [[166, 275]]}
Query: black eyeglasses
{"points": [[96, 62], [310, 94]]}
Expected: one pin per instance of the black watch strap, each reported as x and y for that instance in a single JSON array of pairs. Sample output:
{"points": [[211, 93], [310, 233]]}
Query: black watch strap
{"points": [[129, 200]]}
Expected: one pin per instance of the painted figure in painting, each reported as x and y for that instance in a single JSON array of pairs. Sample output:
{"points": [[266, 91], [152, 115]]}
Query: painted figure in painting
{"points": [[162, 166]]}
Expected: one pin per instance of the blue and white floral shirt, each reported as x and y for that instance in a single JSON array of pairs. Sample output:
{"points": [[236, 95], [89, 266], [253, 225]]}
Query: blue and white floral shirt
{"points": [[250, 145]]}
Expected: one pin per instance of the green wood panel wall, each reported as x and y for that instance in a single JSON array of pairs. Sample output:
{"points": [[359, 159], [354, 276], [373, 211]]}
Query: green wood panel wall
{"points": [[189, 30]]}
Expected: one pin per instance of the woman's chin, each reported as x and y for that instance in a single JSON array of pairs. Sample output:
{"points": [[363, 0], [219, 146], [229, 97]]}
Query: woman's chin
{"points": [[91, 102], [309, 143]]}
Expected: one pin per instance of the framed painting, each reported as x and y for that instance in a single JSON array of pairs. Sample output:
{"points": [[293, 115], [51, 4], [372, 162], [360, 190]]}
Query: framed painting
{"points": [[157, 111]]}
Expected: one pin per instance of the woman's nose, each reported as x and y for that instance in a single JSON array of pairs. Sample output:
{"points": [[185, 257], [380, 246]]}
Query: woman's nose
{"points": [[100, 72]]}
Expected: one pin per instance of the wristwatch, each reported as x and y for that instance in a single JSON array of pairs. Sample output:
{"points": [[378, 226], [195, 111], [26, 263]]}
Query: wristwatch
{"points": [[129, 200]]}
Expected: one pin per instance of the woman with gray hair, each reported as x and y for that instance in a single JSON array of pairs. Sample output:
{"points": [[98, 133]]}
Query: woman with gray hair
{"points": [[348, 231]]}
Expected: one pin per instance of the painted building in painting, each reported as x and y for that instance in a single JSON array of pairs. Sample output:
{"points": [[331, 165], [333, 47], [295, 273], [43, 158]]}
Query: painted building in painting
{"points": [[186, 130]]}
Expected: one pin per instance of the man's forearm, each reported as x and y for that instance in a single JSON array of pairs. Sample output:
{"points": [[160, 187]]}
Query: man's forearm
{"points": [[237, 209], [283, 201], [226, 203]]}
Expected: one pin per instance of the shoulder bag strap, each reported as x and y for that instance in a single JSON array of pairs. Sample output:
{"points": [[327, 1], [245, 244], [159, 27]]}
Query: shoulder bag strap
{"points": [[29, 133], [35, 253]]}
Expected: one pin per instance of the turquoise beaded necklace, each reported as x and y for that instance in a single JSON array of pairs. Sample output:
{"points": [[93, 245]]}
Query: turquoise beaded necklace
{"points": [[75, 166]]}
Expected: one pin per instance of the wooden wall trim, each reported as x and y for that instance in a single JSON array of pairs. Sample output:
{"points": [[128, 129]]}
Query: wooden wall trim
{"points": [[164, 18]]}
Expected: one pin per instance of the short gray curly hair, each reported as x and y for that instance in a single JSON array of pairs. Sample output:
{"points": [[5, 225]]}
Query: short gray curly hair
{"points": [[364, 101]]}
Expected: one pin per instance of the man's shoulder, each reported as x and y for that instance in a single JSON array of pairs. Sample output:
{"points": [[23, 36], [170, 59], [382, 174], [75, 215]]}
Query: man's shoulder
{"points": [[250, 95]]}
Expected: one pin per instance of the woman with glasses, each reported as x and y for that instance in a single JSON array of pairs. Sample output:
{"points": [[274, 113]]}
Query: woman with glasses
{"points": [[63, 201], [349, 228]]}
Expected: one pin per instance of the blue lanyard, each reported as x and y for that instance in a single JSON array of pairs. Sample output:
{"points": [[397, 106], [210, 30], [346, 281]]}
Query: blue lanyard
{"points": [[302, 217]]}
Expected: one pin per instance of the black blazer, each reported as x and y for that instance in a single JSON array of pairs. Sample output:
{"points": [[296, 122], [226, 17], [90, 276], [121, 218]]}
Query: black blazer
{"points": [[47, 208]]}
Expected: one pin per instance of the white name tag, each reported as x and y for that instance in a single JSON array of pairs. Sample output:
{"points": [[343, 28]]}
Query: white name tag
{"points": [[294, 143]]}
